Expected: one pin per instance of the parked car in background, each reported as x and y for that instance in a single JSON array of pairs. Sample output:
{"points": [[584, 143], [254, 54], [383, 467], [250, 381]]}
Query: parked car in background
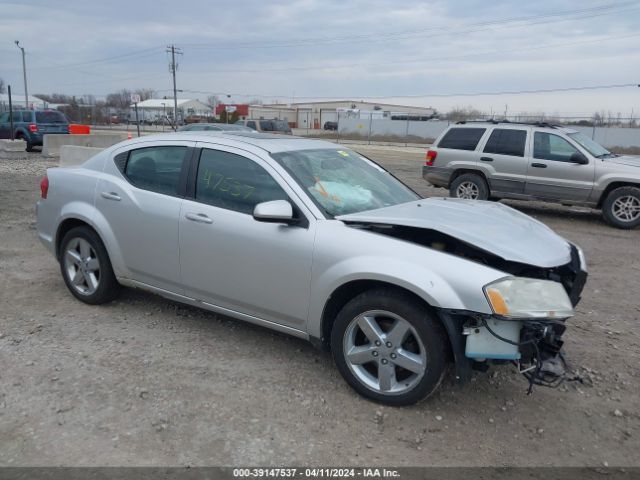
{"points": [[540, 161], [267, 126], [214, 127], [32, 125], [330, 125], [317, 241]]}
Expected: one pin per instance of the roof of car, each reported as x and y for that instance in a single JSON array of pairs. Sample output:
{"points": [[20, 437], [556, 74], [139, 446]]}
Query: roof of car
{"points": [[503, 123], [272, 143]]}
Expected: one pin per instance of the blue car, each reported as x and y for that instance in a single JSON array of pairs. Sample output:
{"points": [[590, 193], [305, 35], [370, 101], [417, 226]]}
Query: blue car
{"points": [[32, 125]]}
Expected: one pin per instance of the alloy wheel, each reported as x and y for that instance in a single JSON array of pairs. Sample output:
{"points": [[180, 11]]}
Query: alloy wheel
{"points": [[468, 190], [82, 266], [384, 352], [626, 209]]}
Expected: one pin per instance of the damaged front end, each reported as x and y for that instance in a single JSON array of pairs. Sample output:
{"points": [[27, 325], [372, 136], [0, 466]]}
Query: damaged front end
{"points": [[530, 307]]}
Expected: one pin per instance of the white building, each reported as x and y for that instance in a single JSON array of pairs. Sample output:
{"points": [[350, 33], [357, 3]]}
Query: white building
{"points": [[316, 114], [155, 108], [18, 101]]}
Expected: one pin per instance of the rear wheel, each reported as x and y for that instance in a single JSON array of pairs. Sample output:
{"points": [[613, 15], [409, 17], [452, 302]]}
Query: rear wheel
{"points": [[86, 268], [29, 147], [621, 208], [388, 347], [469, 186]]}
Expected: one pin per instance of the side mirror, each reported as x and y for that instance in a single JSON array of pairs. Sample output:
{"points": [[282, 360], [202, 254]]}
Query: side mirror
{"points": [[275, 211], [579, 158]]}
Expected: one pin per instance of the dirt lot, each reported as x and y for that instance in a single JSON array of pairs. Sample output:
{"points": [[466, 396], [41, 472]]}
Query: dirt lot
{"points": [[146, 381]]}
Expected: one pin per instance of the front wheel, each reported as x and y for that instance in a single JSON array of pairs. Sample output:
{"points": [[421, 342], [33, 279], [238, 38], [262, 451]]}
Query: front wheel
{"points": [[86, 268], [621, 208], [388, 347], [470, 186]]}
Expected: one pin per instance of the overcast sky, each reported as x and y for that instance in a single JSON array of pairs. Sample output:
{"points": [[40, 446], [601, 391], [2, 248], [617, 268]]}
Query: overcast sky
{"points": [[342, 49]]}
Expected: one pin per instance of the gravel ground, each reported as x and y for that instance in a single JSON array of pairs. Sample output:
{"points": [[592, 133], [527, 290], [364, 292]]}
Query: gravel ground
{"points": [[146, 381]]}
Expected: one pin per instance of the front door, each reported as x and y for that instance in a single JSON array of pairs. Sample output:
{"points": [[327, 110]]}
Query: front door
{"points": [[552, 175], [5, 128], [233, 261], [141, 202]]}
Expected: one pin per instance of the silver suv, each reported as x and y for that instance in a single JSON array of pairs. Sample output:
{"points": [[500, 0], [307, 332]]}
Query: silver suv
{"points": [[493, 160]]}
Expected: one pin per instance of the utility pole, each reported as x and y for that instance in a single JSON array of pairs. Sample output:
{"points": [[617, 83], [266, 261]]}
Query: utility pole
{"points": [[172, 68], [24, 74]]}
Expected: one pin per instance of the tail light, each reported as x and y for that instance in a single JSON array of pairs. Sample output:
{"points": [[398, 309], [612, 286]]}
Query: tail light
{"points": [[33, 128], [44, 186], [431, 158]]}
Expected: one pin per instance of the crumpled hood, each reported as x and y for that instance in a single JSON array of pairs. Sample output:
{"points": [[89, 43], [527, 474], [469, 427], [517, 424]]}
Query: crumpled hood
{"points": [[491, 226], [625, 160]]}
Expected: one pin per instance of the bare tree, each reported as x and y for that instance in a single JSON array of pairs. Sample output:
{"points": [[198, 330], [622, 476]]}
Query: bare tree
{"points": [[1, 85], [145, 93], [120, 100], [459, 114]]}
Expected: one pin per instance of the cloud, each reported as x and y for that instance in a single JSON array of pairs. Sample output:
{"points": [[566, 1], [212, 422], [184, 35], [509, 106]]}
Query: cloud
{"points": [[328, 48]]}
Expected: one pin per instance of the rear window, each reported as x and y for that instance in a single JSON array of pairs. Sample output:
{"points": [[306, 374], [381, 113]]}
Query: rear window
{"points": [[50, 117], [462, 138], [506, 142]]}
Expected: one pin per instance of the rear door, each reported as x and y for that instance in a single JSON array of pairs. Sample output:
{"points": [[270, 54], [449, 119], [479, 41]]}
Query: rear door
{"points": [[504, 159], [552, 175], [141, 201]]}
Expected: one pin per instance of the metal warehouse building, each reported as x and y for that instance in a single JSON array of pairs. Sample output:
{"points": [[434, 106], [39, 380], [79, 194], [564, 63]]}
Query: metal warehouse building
{"points": [[315, 114]]}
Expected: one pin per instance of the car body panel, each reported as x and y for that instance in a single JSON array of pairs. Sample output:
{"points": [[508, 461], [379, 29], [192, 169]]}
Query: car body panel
{"points": [[493, 227]]}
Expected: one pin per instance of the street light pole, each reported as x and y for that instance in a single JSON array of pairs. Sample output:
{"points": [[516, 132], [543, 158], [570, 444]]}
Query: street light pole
{"points": [[24, 74]]}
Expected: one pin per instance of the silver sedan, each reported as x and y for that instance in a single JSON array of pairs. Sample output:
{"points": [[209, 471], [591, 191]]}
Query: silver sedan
{"points": [[317, 241]]}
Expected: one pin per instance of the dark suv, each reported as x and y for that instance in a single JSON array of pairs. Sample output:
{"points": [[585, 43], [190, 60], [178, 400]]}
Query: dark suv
{"points": [[32, 125]]}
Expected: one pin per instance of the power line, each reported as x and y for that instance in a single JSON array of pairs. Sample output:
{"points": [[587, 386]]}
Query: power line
{"points": [[429, 95]]}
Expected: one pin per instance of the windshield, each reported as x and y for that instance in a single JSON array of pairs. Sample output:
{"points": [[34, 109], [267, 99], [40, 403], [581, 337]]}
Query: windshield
{"points": [[594, 148], [342, 181]]}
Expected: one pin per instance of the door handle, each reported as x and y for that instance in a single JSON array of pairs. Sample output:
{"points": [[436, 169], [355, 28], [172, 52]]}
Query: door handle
{"points": [[198, 217], [111, 196], [486, 159], [539, 165]]}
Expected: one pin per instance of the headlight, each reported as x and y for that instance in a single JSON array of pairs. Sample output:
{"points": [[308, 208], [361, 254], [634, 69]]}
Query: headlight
{"points": [[519, 297]]}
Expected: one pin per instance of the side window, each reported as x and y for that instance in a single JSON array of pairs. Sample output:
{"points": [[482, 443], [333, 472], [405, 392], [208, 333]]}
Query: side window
{"points": [[506, 142], [251, 124], [234, 182], [25, 117], [462, 138], [156, 168], [266, 125], [547, 146], [4, 117]]}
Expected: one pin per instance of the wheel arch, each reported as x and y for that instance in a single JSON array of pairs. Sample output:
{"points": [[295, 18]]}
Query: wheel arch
{"points": [[614, 185], [463, 171], [65, 226], [349, 290]]}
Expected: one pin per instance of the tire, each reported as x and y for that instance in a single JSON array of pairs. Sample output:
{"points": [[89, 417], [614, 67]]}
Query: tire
{"points": [[425, 340], [621, 207], [470, 186], [86, 268]]}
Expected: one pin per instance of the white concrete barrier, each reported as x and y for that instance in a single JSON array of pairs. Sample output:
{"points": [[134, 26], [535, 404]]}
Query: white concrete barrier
{"points": [[9, 146], [73, 155], [52, 143]]}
